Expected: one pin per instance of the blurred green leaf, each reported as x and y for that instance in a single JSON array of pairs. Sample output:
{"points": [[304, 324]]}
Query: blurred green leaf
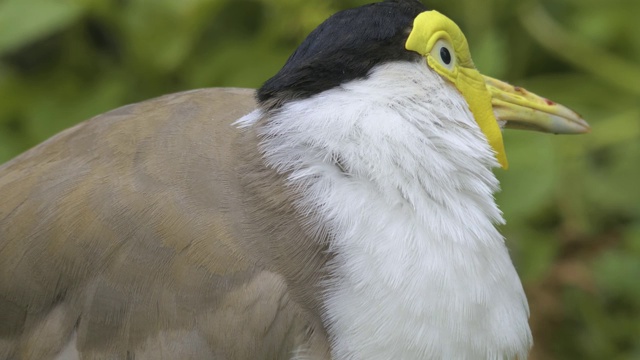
{"points": [[161, 34], [20, 25], [529, 182]]}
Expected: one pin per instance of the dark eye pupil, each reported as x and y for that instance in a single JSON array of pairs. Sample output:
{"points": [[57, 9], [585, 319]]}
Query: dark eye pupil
{"points": [[445, 55]]}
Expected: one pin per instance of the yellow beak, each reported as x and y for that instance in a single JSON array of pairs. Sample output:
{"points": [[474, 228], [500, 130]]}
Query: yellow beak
{"points": [[493, 103], [517, 108]]}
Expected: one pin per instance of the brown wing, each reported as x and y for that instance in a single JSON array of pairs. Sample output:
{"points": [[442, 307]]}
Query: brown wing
{"points": [[117, 238]]}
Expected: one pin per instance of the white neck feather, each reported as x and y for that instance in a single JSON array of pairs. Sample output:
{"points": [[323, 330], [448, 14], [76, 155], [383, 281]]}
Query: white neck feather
{"points": [[420, 271]]}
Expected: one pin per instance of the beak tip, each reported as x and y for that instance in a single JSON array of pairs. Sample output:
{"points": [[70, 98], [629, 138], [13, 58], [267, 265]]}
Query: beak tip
{"points": [[586, 129]]}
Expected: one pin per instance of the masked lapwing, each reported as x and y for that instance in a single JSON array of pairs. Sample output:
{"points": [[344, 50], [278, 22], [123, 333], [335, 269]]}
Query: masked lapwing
{"points": [[344, 210]]}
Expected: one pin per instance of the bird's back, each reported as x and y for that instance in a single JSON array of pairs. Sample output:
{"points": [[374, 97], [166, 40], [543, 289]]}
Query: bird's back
{"points": [[117, 238]]}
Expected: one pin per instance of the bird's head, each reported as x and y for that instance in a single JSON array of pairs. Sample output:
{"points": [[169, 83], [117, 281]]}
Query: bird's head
{"points": [[352, 44]]}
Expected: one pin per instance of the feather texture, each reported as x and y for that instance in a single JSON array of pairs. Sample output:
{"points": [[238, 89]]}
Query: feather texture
{"points": [[395, 168], [356, 223]]}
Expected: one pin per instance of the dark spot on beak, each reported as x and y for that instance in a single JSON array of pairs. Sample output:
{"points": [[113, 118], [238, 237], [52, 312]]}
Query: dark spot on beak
{"points": [[549, 102]]}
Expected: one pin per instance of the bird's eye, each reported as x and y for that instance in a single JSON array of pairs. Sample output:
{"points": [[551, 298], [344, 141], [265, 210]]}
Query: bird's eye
{"points": [[443, 53]]}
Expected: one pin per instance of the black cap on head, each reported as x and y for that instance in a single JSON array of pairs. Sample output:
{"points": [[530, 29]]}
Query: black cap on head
{"points": [[345, 47]]}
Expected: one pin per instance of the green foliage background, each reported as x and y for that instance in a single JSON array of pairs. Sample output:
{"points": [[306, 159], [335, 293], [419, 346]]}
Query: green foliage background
{"points": [[572, 203]]}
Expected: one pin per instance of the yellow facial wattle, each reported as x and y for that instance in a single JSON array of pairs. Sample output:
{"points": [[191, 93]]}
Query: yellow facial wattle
{"points": [[431, 32]]}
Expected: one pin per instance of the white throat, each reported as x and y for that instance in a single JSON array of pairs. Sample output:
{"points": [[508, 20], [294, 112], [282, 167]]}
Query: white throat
{"points": [[398, 172]]}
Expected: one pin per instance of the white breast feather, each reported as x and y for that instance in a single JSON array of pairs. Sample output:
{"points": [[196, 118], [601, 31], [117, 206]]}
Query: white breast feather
{"points": [[420, 270]]}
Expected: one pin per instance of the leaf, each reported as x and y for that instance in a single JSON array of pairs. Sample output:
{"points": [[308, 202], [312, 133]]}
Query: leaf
{"points": [[17, 30], [528, 184], [161, 36]]}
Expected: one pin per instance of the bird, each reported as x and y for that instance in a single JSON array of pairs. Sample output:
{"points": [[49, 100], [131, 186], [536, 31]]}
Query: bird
{"points": [[343, 210]]}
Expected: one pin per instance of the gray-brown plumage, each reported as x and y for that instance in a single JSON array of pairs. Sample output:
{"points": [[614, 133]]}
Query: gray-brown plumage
{"points": [[130, 233]]}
